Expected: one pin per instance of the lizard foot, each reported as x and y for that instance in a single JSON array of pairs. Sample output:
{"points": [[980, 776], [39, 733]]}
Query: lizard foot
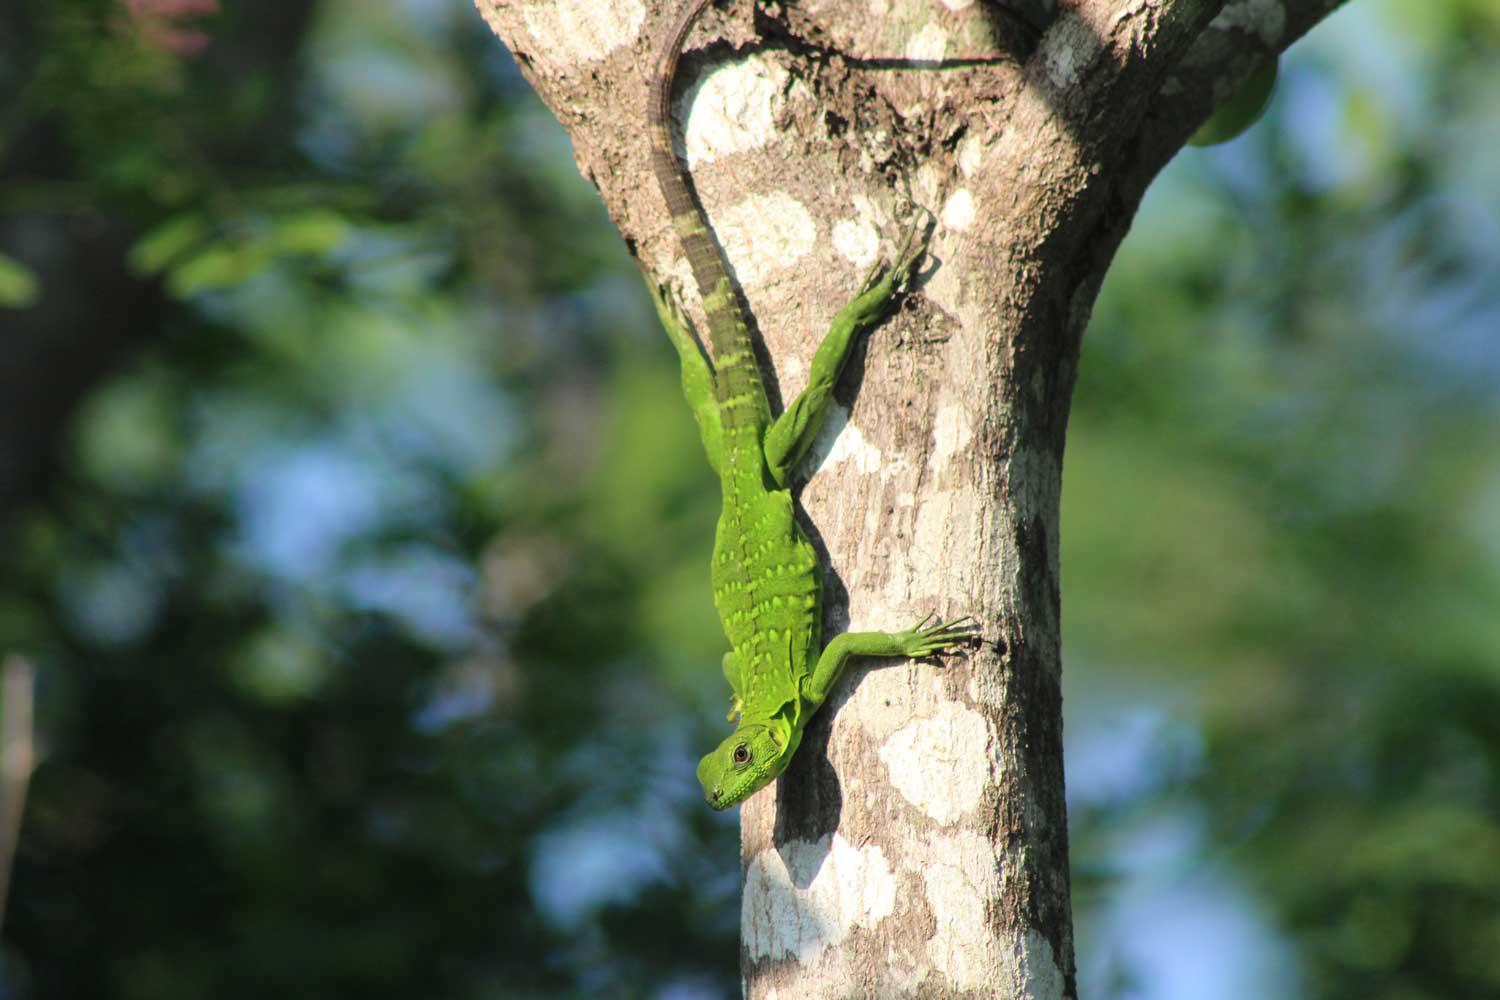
{"points": [[931, 636], [668, 300], [913, 246], [882, 283]]}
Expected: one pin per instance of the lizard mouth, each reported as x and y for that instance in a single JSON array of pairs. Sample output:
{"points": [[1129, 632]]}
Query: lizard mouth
{"points": [[721, 797]]}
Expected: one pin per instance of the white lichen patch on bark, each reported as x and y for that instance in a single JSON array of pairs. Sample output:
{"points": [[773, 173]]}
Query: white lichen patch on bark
{"points": [[1034, 970], [840, 441], [961, 877], [807, 897], [732, 109], [928, 45], [958, 210], [1067, 49], [1266, 19], [889, 697], [946, 527], [971, 153], [927, 184], [952, 431], [944, 520], [940, 764], [764, 233], [857, 240], [573, 31]]}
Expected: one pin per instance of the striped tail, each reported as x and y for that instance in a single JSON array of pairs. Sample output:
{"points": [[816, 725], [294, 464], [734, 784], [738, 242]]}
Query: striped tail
{"points": [[743, 409]]}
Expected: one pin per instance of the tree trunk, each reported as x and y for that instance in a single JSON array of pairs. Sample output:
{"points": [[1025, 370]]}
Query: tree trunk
{"points": [[917, 846]]}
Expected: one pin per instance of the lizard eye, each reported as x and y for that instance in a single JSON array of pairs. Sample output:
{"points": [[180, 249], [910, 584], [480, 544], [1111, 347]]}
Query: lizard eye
{"points": [[742, 754]]}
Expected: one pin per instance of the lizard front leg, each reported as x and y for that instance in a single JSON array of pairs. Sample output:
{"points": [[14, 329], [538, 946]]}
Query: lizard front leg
{"points": [[923, 639], [732, 675], [793, 432]]}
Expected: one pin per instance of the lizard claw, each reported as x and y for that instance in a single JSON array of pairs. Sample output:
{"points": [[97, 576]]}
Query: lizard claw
{"points": [[666, 295], [931, 636], [669, 294], [914, 245], [912, 249]]}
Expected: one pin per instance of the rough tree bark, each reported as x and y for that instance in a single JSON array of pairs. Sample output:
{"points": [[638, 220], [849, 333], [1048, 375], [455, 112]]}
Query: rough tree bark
{"points": [[918, 844]]}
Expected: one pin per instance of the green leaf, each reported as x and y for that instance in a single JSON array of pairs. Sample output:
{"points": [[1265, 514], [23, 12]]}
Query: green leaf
{"points": [[168, 242], [1241, 110], [18, 285], [221, 266], [314, 232]]}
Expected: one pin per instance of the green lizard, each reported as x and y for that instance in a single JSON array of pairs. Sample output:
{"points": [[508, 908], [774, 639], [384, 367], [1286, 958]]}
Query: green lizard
{"points": [[767, 584]]}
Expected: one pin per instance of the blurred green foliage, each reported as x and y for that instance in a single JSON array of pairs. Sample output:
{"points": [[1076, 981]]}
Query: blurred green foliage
{"points": [[333, 602], [369, 523], [1282, 508]]}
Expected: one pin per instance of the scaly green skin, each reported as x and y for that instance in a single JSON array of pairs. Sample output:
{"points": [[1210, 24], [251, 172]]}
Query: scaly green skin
{"points": [[766, 579]]}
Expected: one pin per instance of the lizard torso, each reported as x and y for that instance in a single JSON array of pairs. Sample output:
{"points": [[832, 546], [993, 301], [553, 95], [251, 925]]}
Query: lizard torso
{"points": [[766, 582]]}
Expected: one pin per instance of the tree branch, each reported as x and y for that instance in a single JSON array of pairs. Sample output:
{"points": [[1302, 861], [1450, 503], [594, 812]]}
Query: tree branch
{"points": [[17, 759], [1244, 35], [1099, 55]]}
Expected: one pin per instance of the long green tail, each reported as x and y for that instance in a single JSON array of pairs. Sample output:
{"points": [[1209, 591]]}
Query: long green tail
{"points": [[743, 408]]}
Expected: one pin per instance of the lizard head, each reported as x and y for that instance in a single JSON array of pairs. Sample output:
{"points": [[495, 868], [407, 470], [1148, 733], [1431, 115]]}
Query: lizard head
{"points": [[748, 760]]}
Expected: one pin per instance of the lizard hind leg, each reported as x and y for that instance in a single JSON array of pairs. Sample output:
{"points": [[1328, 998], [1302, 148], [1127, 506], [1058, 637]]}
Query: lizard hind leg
{"points": [[732, 675], [697, 375]]}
